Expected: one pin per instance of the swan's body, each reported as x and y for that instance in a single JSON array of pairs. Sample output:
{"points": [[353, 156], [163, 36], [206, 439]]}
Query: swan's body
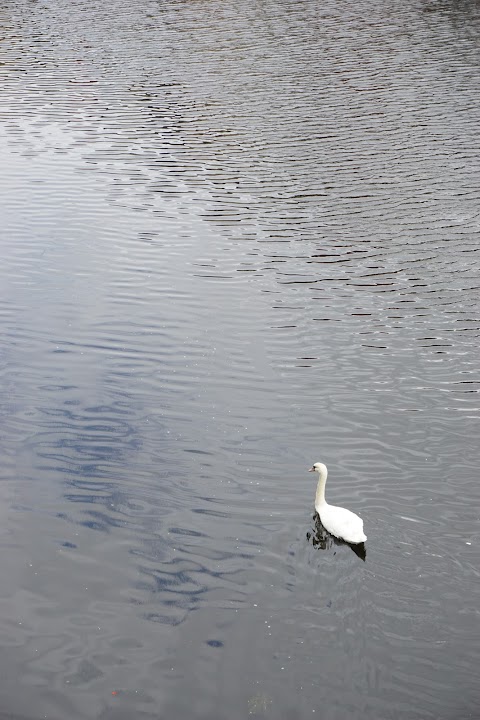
{"points": [[339, 521]]}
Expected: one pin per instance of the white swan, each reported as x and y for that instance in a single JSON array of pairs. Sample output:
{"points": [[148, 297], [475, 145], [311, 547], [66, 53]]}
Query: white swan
{"points": [[339, 521]]}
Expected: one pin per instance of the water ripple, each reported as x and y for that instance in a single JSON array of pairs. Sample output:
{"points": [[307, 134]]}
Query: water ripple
{"points": [[236, 242]]}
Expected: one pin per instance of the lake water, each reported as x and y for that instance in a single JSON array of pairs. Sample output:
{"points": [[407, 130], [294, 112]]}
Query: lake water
{"points": [[238, 238]]}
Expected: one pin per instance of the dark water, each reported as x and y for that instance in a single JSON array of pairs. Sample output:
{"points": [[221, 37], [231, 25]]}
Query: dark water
{"points": [[238, 238]]}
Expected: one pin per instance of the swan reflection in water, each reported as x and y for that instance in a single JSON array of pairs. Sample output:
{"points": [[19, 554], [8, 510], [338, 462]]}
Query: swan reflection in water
{"points": [[323, 540]]}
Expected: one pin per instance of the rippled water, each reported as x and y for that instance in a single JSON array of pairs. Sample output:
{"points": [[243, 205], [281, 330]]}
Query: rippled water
{"points": [[237, 239]]}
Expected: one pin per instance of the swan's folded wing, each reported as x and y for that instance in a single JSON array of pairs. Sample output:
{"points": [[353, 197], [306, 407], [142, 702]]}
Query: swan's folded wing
{"points": [[343, 524]]}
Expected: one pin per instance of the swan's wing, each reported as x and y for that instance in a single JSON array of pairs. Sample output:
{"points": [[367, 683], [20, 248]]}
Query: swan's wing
{"points": [[343, 523]]}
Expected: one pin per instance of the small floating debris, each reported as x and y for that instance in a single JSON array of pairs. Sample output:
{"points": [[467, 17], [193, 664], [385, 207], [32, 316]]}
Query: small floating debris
{"points": [[258, 704]]}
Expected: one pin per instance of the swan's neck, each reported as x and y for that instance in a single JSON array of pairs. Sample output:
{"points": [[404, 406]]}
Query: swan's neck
{"points": [[320, 495]]}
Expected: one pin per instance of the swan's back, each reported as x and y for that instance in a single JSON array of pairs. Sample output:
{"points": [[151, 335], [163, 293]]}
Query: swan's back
{"points": [[342, 523]]}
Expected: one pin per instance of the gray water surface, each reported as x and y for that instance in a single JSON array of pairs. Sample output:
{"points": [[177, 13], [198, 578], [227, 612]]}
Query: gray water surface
{"points": [[237, 239]]}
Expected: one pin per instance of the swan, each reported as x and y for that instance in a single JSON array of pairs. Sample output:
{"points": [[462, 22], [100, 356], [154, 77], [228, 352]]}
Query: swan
{"points": [[339, 521]]}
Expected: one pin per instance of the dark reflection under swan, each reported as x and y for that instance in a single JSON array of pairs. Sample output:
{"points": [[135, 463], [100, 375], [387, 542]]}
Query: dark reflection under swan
{"points": [[321, 539]]}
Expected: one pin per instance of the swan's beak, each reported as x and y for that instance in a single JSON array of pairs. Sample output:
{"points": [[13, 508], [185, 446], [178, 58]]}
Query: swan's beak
{"points": [[312, 469]]}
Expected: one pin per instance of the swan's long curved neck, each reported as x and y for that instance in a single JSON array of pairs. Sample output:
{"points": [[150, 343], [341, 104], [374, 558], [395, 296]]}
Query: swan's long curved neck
{"points": [[320, 494]]}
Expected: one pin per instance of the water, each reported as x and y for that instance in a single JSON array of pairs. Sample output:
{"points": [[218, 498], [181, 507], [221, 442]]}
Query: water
{"points": [[238, 239]]}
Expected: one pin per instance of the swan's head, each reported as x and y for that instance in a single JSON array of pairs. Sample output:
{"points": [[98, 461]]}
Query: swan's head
{"points": [[319, 467]]}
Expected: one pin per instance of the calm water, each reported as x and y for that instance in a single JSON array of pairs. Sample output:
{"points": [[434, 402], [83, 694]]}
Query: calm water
{"points": [[238, 238]]}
